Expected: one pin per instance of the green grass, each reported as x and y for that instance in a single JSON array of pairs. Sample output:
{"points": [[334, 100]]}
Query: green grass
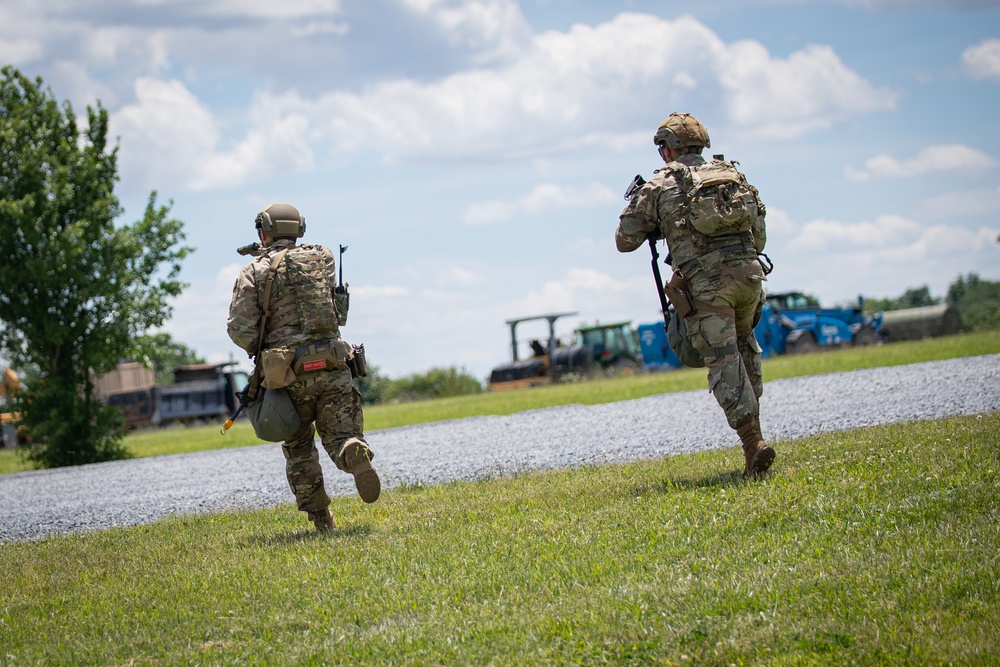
{"points": [[871, 547], [179, 440]]}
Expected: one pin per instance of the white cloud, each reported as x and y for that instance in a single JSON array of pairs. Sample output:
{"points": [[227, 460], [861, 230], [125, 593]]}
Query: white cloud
{"points": [[965, 203], [827, 235], [945, 157], [543, 198], [170, 137], [982, 61], [558, 91], [838, 260], [583, 87], [493, 28]]}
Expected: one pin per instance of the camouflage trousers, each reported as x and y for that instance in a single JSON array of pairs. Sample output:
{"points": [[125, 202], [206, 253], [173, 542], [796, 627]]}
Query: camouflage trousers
{"points": [[331, 401], [735, 290]]}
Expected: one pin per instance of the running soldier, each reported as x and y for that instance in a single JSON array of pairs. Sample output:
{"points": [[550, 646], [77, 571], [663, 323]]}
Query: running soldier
{"points": [[302, 352], [713, 222]]}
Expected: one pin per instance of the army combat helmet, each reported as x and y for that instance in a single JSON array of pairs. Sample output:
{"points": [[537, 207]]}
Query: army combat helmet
{"points": [[281, 221], [680, 131]]}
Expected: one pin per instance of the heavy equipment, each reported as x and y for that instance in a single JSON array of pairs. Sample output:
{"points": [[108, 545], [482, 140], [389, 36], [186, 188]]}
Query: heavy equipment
{"points": [[546, 363], [614, 346], [791, 323]]}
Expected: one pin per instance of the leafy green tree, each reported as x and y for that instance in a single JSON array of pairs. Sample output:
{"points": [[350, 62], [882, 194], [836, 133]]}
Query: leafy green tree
{"points": [[911, 298], [162, 352], [435, 383], [977, 301], [75, 288], [373, 388]]}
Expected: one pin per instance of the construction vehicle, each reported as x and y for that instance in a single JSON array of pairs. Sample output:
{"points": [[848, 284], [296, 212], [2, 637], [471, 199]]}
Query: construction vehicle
{"points": [[791, 323], [614, 346], [545, 365]]}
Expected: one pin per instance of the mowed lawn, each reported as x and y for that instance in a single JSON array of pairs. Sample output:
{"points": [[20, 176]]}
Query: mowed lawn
{"points": [[870, 547]]}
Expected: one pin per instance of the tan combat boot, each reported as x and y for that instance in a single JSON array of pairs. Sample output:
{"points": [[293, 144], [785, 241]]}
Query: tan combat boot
{"points": [[323, 521], [357, 461], [757, 454]]}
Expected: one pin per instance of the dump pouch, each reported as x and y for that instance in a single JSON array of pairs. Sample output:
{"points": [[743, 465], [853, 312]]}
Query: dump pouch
{"points": [[273, 415], [276, 367], [679, 342], [677, 292]]}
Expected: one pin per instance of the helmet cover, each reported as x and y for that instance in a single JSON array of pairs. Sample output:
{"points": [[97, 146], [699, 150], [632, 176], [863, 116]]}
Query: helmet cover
{"points": [[681, 130]]}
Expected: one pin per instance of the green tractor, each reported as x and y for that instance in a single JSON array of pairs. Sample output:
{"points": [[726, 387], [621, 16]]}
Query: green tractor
{"points": [[614, 346]]}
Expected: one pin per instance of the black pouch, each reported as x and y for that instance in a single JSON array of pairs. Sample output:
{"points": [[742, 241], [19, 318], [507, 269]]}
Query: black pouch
{"points": [[357, 362]]}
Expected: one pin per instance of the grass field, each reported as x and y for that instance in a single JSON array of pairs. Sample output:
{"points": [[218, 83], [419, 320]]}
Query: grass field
{"points": [[873, 547], [180, 440]]}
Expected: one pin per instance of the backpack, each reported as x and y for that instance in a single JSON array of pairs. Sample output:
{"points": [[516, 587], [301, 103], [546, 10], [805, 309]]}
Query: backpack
{"points": [[719, 200]]}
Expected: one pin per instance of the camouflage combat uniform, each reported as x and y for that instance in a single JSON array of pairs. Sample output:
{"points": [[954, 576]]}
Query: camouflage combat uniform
{"points": [[723, 274], [328, 398]]}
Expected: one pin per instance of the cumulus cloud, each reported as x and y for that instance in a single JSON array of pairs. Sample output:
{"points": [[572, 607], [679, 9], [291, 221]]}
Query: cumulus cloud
{"points": [[554, 92], [945, 157], [544, 197], [824, 235], [982, 61], [578, 86], [965, 203], [170, 136]]}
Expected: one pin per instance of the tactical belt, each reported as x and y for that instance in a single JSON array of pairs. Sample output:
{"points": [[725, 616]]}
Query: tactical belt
{"points": [[734, 248]]}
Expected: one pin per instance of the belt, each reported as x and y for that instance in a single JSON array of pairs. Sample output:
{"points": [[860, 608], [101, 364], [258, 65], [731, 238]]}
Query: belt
{"points": [[734, 248]]}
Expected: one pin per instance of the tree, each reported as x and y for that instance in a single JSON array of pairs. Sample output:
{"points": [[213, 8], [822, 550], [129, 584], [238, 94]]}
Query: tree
{"points": [[75, 289], [913, 297], [163, 353], [977, 300]]}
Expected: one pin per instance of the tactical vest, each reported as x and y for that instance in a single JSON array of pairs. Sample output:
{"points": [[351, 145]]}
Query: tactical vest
{"points": [[719, 200], [306, 293]]}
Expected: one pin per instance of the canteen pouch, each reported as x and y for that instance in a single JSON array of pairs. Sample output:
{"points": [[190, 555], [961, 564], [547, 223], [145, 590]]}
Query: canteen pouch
{"points": [[276, 367], [273, 415], [677, 292]]}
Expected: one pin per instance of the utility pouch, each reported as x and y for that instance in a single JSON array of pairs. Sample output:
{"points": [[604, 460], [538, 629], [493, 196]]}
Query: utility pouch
{"points": [[322, 356], [357, 362], [276, 367], [677, 292]]}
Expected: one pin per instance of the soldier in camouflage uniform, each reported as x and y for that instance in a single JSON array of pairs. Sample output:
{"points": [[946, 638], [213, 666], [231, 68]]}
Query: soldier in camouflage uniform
{"points": [[713, 224], [303, 326]]}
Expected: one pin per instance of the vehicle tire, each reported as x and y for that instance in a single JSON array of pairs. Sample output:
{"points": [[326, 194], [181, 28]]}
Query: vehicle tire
{"points": [[804, 344], [866, 336]]}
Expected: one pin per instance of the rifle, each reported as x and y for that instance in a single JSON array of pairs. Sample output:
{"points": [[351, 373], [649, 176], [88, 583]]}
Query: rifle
{"points": [[659, 281], [244, 398]]}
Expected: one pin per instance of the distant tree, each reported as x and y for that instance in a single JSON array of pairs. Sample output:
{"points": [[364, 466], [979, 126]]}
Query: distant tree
{"points": [[435, 383], [163, 353], [911, 298], [75, 288], [977, 300], [373, 387]]}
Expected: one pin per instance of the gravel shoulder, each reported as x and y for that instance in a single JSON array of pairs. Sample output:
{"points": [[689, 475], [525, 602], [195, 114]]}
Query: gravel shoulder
{"points": [[61, 501]]}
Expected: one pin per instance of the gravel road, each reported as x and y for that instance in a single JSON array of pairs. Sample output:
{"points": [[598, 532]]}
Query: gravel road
{"points": [[69, 500]]}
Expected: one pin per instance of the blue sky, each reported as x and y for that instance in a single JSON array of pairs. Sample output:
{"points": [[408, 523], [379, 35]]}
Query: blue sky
{"points": [[472, 154]]}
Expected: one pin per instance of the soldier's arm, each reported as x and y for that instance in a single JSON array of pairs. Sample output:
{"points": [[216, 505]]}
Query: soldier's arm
{"points": [[244, 312], [636, 221]]}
